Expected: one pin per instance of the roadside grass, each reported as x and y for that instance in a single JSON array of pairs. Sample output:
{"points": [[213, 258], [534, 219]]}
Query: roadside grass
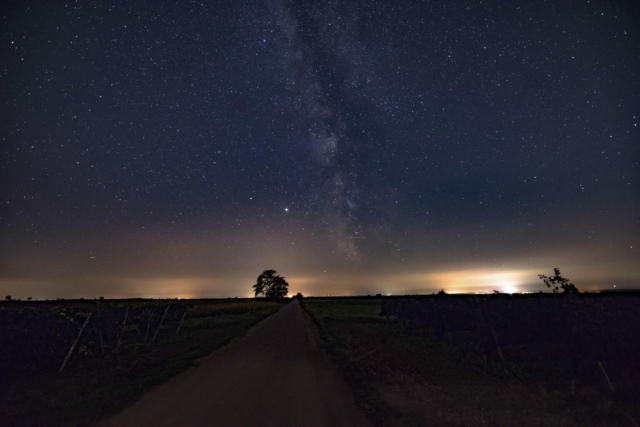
{"points": [[95, 388], [342, 323], [404, 377], [214, 308]]}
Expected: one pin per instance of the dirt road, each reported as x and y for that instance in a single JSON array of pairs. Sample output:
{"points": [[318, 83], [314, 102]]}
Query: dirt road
{"points": [[276, 375]]}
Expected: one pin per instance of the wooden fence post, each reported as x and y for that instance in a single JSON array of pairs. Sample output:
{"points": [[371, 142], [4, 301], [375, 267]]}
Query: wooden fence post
{"points": [[150, 314], [160, 325], [606, 377], [181, 320], [122, 330], [84, 325]]}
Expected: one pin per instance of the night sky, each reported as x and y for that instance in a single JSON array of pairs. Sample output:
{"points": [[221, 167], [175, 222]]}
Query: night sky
{"points": [[177, 149]]}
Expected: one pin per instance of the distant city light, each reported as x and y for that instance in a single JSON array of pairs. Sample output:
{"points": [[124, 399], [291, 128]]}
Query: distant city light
{"points": [[478, 280], [509, 289]]}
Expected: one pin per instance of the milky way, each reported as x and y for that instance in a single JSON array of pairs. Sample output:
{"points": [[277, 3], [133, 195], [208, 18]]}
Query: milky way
{"points": [[179, 149]]}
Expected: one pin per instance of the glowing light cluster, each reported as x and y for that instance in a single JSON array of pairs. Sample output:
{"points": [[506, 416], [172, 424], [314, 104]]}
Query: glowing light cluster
{"points": [[479, 280]]}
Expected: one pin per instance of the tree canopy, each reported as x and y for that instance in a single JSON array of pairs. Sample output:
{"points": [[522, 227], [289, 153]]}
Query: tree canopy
{"points": [[271, 285]]}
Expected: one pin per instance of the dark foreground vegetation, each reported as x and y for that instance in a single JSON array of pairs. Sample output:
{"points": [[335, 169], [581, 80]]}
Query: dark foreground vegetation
{"points": [[533, 360], [114, 351], [593, 333]]}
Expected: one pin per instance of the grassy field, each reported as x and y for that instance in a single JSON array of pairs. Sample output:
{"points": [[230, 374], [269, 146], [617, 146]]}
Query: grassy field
{"points": [[404, 378], [97, 386]]}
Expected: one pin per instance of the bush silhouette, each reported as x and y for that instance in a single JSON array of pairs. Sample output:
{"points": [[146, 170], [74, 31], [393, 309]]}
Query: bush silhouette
{"points": [[558, 282]]}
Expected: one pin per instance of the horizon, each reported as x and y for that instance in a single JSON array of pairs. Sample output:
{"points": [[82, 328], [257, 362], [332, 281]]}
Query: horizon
{"points": [[293, 296], [506, 287]]}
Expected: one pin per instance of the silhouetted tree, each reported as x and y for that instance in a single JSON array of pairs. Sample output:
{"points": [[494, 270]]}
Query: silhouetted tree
{"points": [[558, 282], [299, 296], [8, 297], [271, 285]]}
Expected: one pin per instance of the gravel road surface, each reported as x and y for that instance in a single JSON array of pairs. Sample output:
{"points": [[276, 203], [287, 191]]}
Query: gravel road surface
{"points": [[275, 375]]}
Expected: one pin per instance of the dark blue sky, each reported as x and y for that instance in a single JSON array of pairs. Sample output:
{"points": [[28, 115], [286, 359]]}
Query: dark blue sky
{"points": [[179, 149]]}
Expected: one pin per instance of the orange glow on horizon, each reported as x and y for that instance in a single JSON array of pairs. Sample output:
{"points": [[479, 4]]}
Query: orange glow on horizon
{"points": [[477, 280], [474, 280]]}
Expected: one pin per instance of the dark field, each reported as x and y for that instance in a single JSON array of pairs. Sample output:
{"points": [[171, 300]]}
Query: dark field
{"points": [[525, 360], [408, 369], [114, 361]]}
